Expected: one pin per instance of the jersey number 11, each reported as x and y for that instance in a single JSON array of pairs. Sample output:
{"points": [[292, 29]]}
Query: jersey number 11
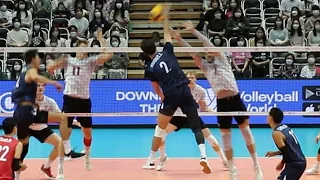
{"points": [[76, 70]]}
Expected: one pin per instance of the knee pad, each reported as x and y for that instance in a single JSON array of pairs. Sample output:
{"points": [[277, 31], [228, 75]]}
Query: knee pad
{"points": [[319, 151], [226, 140], [160, 133], [247, 135]]}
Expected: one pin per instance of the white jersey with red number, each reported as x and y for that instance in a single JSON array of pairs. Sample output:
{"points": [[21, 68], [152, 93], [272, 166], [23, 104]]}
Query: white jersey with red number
{"points": [[78, 74]]}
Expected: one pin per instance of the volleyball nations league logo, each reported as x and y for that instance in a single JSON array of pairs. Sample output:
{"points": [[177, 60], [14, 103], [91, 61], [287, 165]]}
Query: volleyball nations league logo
{"points": [[211, 99], [6, 105]]}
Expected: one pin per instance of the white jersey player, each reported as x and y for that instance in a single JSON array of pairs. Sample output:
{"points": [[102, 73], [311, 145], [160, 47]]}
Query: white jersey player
{"points": [[42, 132], [179, 120], [76, 97], [221, 78]]}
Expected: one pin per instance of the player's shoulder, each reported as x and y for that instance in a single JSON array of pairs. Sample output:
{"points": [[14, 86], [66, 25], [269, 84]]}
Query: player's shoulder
{"points": [[49, 99], [282, 127]]}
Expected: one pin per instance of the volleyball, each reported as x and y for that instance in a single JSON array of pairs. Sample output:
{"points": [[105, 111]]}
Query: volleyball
{"points": [[157, 13]]}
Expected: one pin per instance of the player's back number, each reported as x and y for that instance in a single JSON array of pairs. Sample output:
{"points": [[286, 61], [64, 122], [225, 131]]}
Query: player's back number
{"points": [[4, 150], [164, 66]]}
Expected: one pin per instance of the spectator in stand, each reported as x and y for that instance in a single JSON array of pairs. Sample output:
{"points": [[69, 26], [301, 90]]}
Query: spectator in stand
{"points": [[54, 35], [84, 5], [279, 36], [73, 38], [42, 9], [99, 21], [61, 11], [67, 3], [232, 4], [37, 36], [23, 14], [295, 15], [309, 70], [314, 36], [119, 14], [237, 24], [155, 36], [218, 23], [240, 60], [260, 60], [103, 6], [289, 70], [94, 37], [297, 34], [307, 6], [208, 15], [80, 22], [218, 41], [28, 3], [118, 65], [286, 6], [43, 71], [309, 25], [14, 70], [115, 31], [5, 16], [17, 37]]}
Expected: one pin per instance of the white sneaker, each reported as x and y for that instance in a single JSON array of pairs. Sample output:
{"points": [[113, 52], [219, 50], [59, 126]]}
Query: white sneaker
{"points": [[225, 164], [149, 165], [60, 175], [258, 173], [233, 173], [313, 170], [206, 168], [162, 162], [87, 162]]}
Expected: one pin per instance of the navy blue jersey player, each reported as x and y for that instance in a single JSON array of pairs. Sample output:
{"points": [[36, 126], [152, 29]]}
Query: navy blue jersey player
{"points": [[292, 156], [27, 112], [169, 80]]}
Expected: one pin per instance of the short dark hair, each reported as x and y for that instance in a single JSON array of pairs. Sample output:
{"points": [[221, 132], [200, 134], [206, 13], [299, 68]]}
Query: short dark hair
{"points": [[276, 114], [148, 47], [30, 55], [8, 125]]}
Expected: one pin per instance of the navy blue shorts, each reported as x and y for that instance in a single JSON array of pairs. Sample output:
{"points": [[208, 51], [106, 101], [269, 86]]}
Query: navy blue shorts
{"points": [[292, 171], [179, 97], [181, 122], [27, 115], [41, 135]]}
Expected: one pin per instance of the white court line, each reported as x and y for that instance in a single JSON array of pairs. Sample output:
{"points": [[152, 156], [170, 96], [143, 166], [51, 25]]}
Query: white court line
{"points": [[169, 157]]}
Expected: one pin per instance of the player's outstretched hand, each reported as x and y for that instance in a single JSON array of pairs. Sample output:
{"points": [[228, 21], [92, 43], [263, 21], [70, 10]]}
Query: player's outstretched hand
{"points": [[270, 154], [58, 86], [279, 166], [167, 7], [23, 167], [188, 26], [174, 34]]}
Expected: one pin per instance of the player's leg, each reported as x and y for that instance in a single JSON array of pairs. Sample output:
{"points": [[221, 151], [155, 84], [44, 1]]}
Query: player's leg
{"points": [[167, 109], [243, 122], [175, 124], [213, 142], [315, 168], [46, 135], [70, 105]]}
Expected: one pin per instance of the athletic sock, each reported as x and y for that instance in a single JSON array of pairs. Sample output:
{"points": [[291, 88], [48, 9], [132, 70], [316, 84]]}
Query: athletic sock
{"points": [[255, 159], [47, 164], [162, 152], [152, 156], [202, 148], [67, 146], [87, 144]]}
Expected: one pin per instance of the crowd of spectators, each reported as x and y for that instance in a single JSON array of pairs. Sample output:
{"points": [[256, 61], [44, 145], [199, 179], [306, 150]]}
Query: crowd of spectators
{"points": [[242, 23], [255, 23], [59, 23]]}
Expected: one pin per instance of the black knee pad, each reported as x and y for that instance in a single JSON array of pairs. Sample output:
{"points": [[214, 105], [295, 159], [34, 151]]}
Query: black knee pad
{"points": [[24, 152], [199, 137], [319, 151], [193, 120]]}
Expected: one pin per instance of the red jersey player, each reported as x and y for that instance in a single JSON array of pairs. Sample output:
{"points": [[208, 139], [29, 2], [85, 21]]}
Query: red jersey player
{"points": [[10, 151]]}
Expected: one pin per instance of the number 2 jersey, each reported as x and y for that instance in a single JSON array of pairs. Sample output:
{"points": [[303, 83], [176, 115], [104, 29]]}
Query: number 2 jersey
{"points": [[78, 75], [294, 153], [7, 150], [165, 69]]}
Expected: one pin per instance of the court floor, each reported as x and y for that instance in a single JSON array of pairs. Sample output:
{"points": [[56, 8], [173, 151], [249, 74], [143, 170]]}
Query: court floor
{"points": [[120, 154]]}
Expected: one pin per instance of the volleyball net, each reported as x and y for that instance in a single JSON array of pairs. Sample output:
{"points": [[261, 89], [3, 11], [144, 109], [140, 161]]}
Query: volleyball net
{"points": [[130, 99]]}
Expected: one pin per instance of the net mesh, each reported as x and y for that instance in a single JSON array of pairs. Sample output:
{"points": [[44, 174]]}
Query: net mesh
{"points": [[119, 99]]}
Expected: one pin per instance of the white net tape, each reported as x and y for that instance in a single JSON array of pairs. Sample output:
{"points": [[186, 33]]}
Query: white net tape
{"points": [[176, 49]]}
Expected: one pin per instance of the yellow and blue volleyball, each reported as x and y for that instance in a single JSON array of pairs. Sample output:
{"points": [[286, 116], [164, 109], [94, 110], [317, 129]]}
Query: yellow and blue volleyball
{"points": [[157, 13]]}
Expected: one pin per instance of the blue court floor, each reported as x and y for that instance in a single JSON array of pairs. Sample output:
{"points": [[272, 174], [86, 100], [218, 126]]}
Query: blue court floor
{"points": [[135, 143]]}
